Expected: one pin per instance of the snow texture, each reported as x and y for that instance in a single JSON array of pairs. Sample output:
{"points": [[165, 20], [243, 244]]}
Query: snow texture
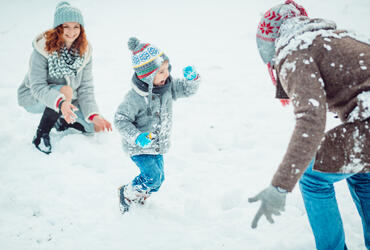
{"points": [[287, 66], [296, 34], [363, 112], [219, 155], [327, 46], [356, 164]]}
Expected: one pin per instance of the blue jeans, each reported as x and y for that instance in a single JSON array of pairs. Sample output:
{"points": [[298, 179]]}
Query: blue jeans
{"points": [[39, 108], [322, 208], [151, 174]]}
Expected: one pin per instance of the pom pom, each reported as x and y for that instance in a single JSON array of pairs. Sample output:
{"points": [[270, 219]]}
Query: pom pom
{"points": [[133, 43], [62, 4]]}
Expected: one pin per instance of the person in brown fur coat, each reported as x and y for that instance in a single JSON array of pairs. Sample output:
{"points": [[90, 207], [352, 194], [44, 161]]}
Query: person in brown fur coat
{"points": [[319, 69]]}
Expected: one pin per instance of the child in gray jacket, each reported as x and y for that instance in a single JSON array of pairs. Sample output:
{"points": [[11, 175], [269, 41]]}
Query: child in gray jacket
{"points": [[144, 118]]}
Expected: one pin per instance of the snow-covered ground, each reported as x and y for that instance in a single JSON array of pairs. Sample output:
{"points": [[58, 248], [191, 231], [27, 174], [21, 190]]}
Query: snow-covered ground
{"points": [[227, 141]]}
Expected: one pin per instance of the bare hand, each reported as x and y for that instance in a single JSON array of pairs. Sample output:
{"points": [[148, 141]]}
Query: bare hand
{"points": [[67, 111], [100, 124]]}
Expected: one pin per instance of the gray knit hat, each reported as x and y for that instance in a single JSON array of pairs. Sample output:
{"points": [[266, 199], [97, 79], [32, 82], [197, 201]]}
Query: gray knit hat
{"points": [[269, 26], [146, 59], [268, 32], [64, 13]]}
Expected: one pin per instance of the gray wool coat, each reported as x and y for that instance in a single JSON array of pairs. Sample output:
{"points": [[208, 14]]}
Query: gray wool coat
{"points": [[36, 86], [132, 119]]}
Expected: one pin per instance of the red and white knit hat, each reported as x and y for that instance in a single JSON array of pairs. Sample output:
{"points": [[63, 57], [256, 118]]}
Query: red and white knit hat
{"points": [[268, 31]]}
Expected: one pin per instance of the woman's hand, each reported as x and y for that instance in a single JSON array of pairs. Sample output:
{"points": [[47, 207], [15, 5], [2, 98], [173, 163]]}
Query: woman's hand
{"points": [[100, 124], [67, 109], [67, 92]]}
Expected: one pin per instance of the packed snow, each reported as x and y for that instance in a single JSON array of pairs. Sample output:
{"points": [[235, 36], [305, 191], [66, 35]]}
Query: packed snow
{"points": [[327, 46], [227, 140]]}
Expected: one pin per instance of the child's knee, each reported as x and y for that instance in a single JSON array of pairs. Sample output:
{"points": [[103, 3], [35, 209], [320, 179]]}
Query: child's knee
{"points": [[156, 178]]}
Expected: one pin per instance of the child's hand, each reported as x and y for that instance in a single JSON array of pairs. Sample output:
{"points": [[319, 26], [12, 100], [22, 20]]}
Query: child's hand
{"points": [[143, 140], [190, 73]]}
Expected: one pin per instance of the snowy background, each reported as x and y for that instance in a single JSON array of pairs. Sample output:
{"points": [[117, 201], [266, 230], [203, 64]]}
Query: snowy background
{"points": [[227, 141]]}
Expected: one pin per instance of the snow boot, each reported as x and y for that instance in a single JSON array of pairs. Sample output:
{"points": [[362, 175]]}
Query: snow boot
{"points": [[142, 198], [124, 202], [129, 196], [62, 125], [42, 139]]}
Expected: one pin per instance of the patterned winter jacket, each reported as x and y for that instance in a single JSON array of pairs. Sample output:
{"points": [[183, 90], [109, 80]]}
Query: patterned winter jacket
{"points": [[36, 84], [132, 118], [322, 69]]}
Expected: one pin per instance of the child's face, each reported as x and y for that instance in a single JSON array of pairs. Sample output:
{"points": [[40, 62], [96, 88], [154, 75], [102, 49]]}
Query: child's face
{"points": [[162, 75]]}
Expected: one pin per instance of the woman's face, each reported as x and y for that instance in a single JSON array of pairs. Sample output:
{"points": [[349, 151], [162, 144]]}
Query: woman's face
{"points": [[162, 75], [71, 31]]}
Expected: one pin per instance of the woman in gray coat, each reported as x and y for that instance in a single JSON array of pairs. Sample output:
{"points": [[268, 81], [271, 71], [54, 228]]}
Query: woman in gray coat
{"points": [[59, 82]]}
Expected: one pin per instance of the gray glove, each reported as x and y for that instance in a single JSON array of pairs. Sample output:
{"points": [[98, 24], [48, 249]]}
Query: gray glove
{"points": [[272, 203]]}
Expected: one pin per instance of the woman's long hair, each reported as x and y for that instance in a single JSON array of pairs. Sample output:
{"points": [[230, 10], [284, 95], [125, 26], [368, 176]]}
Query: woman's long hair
{"points": [[55, 41]]}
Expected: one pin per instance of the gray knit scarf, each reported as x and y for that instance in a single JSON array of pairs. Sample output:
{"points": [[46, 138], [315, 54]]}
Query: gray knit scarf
{"points": [[159, 90], [64, 63]]}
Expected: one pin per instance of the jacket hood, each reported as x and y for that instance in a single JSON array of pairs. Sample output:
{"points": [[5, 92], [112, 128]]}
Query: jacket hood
{"points": [[39, 45]]}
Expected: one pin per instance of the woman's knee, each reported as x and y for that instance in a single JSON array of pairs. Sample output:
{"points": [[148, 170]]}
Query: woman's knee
{"points": [[35, 108]]}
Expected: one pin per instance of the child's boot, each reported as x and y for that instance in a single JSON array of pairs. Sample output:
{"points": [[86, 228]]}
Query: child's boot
{"points": [[42, 139], [124, 202], [129, 195], [144, 195]]}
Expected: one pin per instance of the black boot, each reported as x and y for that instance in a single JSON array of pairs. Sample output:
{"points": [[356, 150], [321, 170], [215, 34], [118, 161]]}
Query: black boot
{"points": [[62, 125], [42, 139], [78, 126]]}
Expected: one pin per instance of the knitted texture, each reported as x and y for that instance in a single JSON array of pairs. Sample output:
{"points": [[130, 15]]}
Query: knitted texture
{"points": [[268, 32], [146, 59], [269, 26], [64, 13], [66, 63]]}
